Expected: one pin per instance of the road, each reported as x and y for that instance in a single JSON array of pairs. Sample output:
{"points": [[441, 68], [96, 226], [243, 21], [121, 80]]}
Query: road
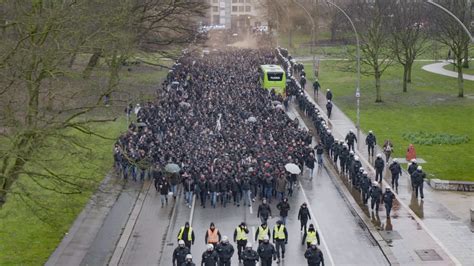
{"points": [[345, 240]]}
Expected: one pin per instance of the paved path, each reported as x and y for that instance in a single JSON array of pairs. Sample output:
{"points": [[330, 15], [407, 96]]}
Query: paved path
{"points": [[438, 69], [419, 224]]}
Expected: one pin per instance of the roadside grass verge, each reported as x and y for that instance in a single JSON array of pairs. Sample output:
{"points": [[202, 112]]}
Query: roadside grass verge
{"points": [[32, 225], [430, 105]]}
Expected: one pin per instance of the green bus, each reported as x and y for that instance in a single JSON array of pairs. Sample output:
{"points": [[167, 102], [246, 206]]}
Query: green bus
{"points": [[273, 77]]}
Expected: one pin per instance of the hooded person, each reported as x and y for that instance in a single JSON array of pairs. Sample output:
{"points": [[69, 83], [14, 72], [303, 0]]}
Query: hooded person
{"points": [[213, 235], [280, 238], [310, 236], [186, 234], [261, 232], [240, 237], [303, 216]]}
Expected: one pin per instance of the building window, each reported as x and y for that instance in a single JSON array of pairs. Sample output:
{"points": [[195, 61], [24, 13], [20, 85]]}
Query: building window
{"points": [[215, 19], [248, 9], [215, 9], [234, 8], [241, 1], [241, 9], [234, 1], [248, 1], [214, 1]]}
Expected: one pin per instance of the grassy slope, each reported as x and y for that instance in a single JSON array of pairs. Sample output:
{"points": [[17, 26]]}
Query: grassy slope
{"points": [[27, 235], [429, 105]]}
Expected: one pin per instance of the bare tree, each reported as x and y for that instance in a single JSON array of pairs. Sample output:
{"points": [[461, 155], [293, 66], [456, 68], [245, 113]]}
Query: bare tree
{"points": [[38, 106], [376, 55], [408, 40], [447, 30]]}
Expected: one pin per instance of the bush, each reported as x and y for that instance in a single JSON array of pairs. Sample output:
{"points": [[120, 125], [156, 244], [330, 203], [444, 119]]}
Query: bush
{"points": [[429, 139]]}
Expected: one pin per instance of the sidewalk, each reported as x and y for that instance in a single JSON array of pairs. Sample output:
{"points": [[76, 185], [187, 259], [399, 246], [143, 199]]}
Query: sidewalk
{"points": [[421, 232], [437, 68]]}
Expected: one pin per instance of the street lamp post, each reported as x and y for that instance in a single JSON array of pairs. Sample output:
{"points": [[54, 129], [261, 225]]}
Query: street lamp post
{"points": [[454, 16], [357, 94]]}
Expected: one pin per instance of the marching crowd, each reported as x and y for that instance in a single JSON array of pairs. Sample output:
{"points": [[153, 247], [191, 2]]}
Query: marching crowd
{"points": [[231, 141]]}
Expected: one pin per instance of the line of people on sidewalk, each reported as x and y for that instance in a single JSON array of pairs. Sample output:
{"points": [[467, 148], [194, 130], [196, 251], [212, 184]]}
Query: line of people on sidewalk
{"points": [[219, 251]]}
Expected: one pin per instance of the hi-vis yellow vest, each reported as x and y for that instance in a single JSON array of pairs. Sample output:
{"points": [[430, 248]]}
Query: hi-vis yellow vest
{"points": [[279, 233], [262, 232], [310, 236], [190, 235], [241, 234]]}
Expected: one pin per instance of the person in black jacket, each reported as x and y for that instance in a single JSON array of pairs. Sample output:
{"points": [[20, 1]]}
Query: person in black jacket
{"points": [[283, 206], [411, 169], [203, 190], [370, 141], [375, 196], [249, 256], [365, 183], [328, 95], [264, 212], [209, 257], [314, 255], [329, 108], [179, 254], [350, 139], [164, 187], [396, 171], [379, 165], [419, 178], [387, 199], [304, 216]]}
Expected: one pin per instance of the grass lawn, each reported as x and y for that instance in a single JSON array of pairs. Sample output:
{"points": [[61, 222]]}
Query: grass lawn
{"points": [[430, 105], [469, 71], [28, 232]]}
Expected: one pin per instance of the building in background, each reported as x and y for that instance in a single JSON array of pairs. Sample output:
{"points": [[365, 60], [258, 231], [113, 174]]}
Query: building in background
{"points": [[238, 15]]}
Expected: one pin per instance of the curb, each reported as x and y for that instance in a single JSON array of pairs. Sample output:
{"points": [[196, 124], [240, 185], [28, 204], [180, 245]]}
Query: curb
{"points": [[69, 236], [132, 220]]}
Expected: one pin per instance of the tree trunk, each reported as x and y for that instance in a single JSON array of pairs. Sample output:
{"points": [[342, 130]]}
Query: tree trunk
{"points": [[460, 79], [466, 56], [410, 67], [378, 87], [405, 77], [93, 60]]}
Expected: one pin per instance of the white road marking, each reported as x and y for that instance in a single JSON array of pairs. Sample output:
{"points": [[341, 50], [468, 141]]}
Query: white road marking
{"points": [[192, 210], [315, 222]]}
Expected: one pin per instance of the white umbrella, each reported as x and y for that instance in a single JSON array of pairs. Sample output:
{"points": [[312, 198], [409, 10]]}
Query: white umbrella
{"points": [[172, 168], [279, 106], [292, 168], [252, 119]]}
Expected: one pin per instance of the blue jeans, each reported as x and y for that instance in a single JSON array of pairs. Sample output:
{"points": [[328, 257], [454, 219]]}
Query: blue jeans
{"points": [[320, 159], [280, 195], [174, 189], [213, 199], [246, 195], [283, 219], [163, 199], [189, 197], [268, 193]]}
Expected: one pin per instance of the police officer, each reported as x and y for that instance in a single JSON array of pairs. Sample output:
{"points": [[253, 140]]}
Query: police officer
{"points": [[213, 236], [186, 234], [189, 261], [316, 87], [343, 157], [329, 108], [314, 255], [264, 211], [179, 253], [225, 251], [411, 170], [261, 232], [280, 238], [303, 216], [396, 171], [370, 141], [310, 236], [266, 251], [419, 178], [329, 95], [387, 199], [356, 165], [375, 196], [379, 165], [249, 256], [209, 257], [365, 183], [350, 139], [240, 236]]}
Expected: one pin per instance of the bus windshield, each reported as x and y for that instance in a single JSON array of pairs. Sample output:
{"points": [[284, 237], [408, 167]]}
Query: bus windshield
{"points": [[273, 76]]}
